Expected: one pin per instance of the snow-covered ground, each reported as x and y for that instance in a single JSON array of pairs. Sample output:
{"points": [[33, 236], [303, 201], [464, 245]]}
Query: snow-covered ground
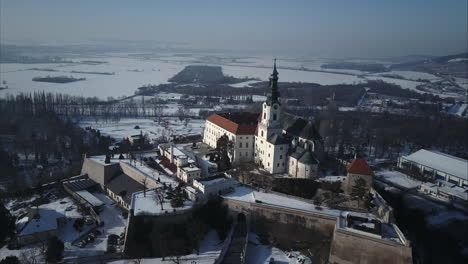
{"points": [[398, 178], [114, 223], [405, 84], [257, 253], [410, 75], [129, 74], [126, 127], [210, 247], [243, 84], [287, 75], [148, 204]]}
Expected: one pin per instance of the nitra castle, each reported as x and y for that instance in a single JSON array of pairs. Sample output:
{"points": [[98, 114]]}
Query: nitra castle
{"points": [[276, 141]]}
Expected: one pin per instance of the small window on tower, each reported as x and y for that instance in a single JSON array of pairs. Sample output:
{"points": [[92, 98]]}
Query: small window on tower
{"points": [[274, 116], [264, 115], [262, 134]]}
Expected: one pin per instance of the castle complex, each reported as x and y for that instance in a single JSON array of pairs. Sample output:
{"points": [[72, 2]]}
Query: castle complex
{"points": [[274, 140]]}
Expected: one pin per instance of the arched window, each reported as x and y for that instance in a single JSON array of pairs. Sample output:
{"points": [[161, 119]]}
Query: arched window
{"points": [[262, 133]]}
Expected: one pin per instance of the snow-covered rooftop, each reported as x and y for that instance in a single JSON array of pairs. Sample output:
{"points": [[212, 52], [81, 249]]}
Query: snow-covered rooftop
{"points": [[190, 169], [102, 158], [90, 198], [147, 204], [45, 220], [212, 180], [440, 161]]}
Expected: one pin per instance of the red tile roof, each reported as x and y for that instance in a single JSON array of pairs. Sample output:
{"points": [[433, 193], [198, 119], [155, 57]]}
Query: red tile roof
{"points": [[359, 166], [241, 123]]}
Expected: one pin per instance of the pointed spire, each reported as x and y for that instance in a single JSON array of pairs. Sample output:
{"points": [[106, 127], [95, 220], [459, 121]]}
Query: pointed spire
{"points": [[273, 94], [275, 72]]}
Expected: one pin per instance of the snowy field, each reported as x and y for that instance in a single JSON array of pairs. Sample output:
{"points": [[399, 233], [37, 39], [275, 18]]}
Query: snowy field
{"points": [[411, 75], [130, 72], [398, 179], [287, 75], [126, 127]]}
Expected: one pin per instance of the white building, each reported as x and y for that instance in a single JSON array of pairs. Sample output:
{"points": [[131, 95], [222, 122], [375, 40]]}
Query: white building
{"points": [[214, 185], [239, 127], [277, 142], [186, 169], [437, 166]]}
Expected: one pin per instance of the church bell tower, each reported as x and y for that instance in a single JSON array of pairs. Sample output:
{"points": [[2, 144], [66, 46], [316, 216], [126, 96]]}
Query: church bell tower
{"points": [[271, 109]]}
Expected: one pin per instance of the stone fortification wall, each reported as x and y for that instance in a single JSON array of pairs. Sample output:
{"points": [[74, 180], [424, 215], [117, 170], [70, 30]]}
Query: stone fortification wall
{"points": [[294, 228], [349, 247]]}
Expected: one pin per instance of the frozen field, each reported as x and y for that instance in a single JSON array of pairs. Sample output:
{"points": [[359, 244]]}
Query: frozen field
{"points": [[126, 127], [291, 75], [129, 73]]}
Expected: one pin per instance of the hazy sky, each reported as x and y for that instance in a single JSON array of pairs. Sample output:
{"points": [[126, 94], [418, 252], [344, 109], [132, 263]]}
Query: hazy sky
{"points": [[326, 28]]}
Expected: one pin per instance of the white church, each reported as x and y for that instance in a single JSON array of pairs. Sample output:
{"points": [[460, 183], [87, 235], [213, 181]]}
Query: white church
{"points": [[276, 141]]}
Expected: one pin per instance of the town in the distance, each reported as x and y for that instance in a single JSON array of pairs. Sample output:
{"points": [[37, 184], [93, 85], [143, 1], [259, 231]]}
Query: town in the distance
{"points": [[233, 132]]}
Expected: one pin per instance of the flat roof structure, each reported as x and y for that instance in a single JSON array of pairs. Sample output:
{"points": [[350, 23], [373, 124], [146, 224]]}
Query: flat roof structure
{"points": [[90, 198], [439, 161]]}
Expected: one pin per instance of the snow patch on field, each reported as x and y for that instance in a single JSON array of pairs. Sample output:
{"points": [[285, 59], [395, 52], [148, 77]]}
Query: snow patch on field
{"points": [[258, 253], [411, 75], [287, 75], [129, 74], [405, 84], [398, 179], [126, 127], [243, 84]]}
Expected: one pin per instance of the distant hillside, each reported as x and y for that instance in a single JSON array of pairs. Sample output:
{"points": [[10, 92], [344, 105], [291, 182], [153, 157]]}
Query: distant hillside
{"points": [[203, 74], [451, 65]]}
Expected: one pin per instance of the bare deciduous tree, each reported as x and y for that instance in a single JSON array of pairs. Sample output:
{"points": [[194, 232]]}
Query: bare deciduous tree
{"points": [[159, 197]]}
